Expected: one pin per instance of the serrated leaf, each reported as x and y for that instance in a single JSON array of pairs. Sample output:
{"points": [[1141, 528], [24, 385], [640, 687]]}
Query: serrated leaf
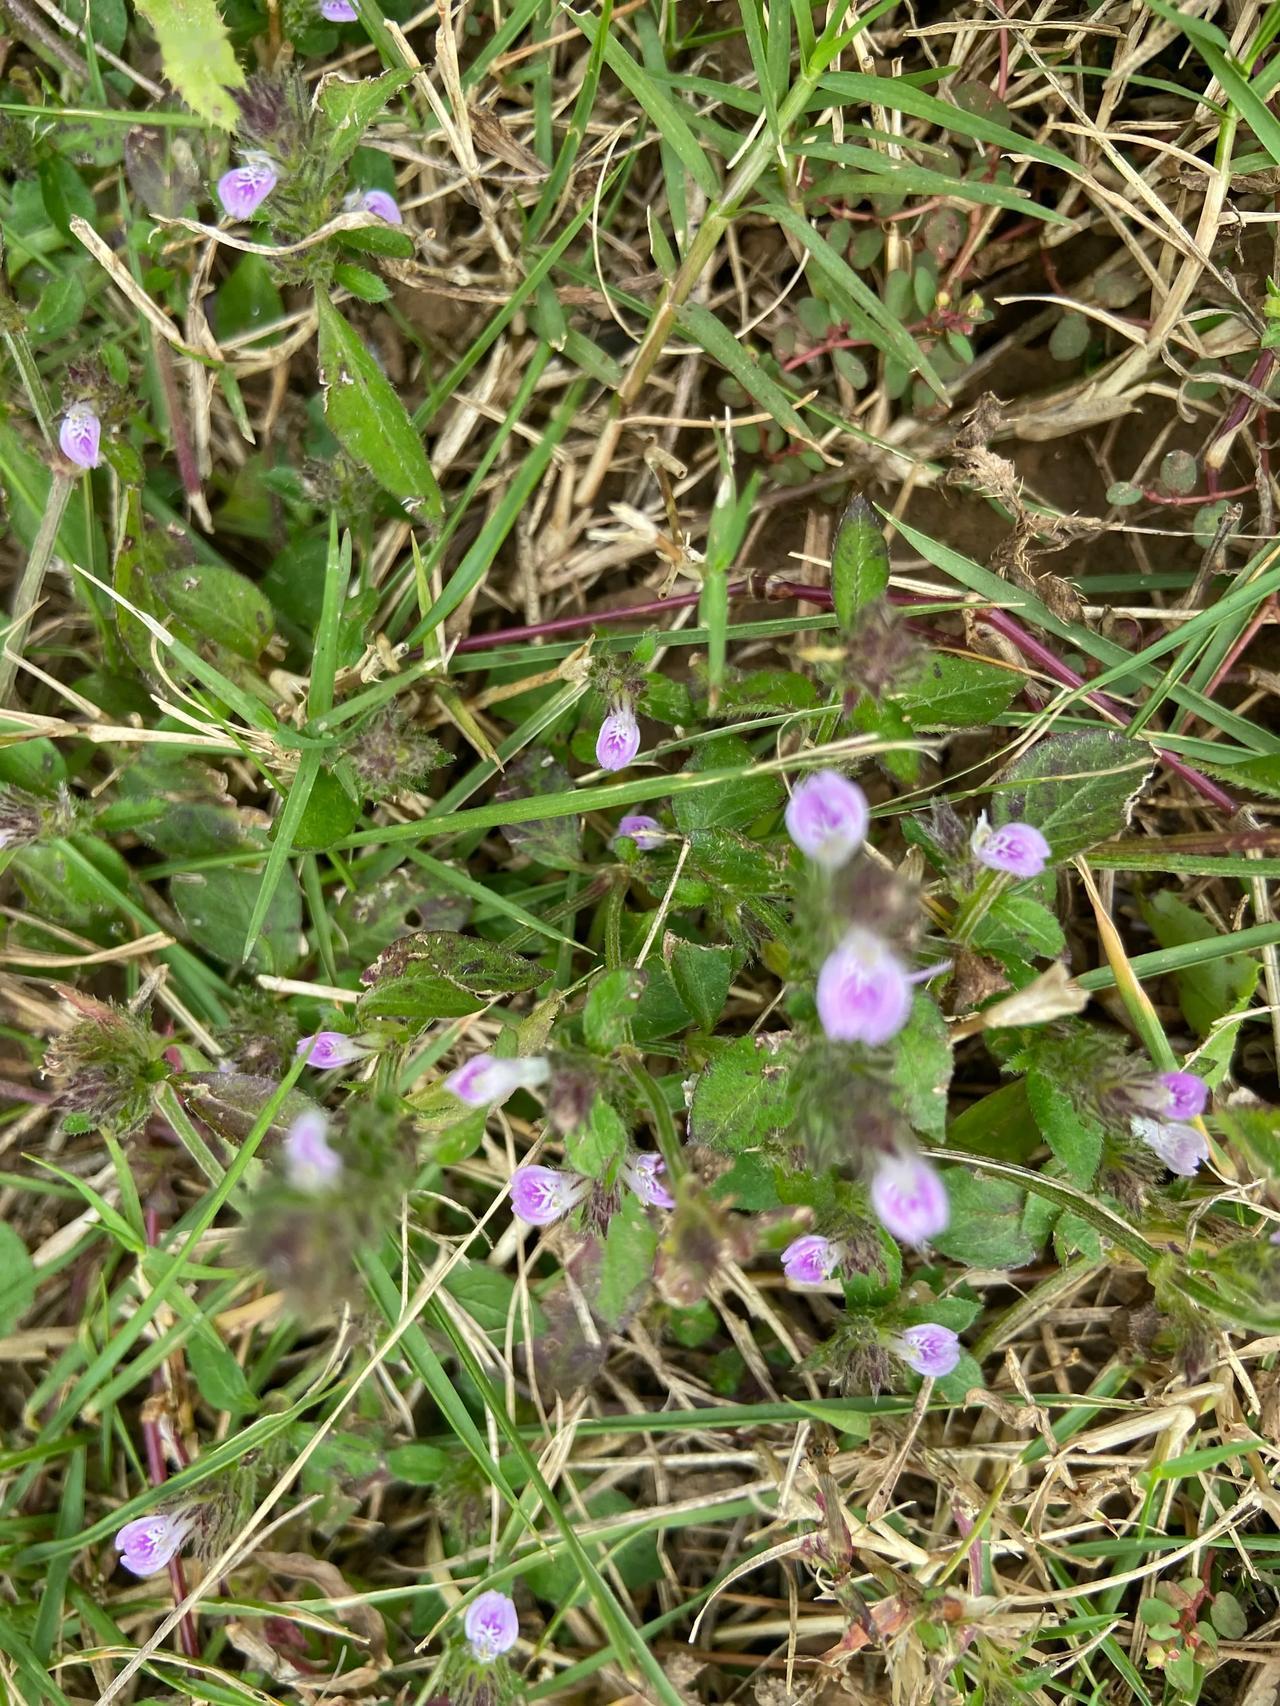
{"points": [[1077, 789], [744, 1096], [1073, 1137], [956, 693], [701, 975], [367, 417], [436, 974], [626, 1265], [197, 56], [350, 107], [986, 1229], [859, 561], [922, 1068], [595, 1147]]}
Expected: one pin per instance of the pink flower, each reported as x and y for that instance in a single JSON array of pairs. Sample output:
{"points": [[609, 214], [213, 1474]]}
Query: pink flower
{"points": [[909, 1198], [1017, 848], [618, 740], [646, 832], [931, 1350], [147, 1543], [1181, 1147], [1188, 1095], [541, 1195], [338, 11], [484, 1080], [80, 436], [382, 206], [643, 1174], [331, 1048], [811, 1260], [827, 818], [310, 1164], [491, 1625], [246, 187], [864, 991]]}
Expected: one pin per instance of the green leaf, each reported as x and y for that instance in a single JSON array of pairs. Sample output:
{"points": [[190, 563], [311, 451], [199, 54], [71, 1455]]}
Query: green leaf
{"points": [[999, 1126], [610, 1009], [330, 813], [197, 56], [1077, 789], [1207, 992], [350, 108], [487, 1295], [66, 195], [1227, 1616], [600, 1144], [361, 282], [986, 1229], [956, 693], [922, 1068], [1018, 926], [60, 307], [859, 561], [218, 1375], [17, 1278], [626, 1266], [745, 1096], [735, 803], [367, 417], [418, 1465], [217, 907], [203, 603], [1074, 1138], [701, 976], [436, 974]]}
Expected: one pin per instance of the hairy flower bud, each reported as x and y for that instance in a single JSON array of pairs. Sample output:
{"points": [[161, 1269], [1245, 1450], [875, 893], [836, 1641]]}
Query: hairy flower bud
{"points": [[930, 1349], [1017, 848], [491, 1625], [909, 1198], [827, 817], [619, 739], [80, 436], [864, 991]]}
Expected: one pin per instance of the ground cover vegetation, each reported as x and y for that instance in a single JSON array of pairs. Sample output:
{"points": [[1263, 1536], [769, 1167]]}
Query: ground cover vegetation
{"points": [[637, 813]]}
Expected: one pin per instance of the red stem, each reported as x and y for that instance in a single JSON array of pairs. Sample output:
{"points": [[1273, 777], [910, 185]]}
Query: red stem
{"points": [[158, 1472], [1027, 644]]}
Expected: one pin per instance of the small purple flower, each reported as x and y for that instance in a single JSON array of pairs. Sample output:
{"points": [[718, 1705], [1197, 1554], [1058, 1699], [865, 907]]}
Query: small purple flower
{"points": [[491, 1625], [1181, 1147], [1018, 848], [643, 1173], [484, 1080], [310, 1164], [827, 818], [245, 188], [909, 1198], [1188, 1095], [646, 832], [618, 740], [864, 991], [931, 1350], [338, 11], [382, 206], [331, 1048], [80, 436], [811, 1260], [147, 1543], [541, 1195]]}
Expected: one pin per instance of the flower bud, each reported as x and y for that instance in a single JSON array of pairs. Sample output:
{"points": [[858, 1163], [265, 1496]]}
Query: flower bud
{"points": [[80, 436], [643, 1175], [243, 189], [1188, 1095], [811, 1260], [148, 1542], [338, 11], [864, 991], [827, 818], [326, 1049], [930, 1349], [619, 739], [310, 1164], [909, 1198], [491, 1625], [541, 1195], [485, 1081], [378, 202], [646, 832], [1018, 848], [1181, 1147]]}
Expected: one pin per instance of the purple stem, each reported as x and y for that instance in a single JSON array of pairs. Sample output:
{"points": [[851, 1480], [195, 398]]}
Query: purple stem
{"points": [[761, 587]]}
